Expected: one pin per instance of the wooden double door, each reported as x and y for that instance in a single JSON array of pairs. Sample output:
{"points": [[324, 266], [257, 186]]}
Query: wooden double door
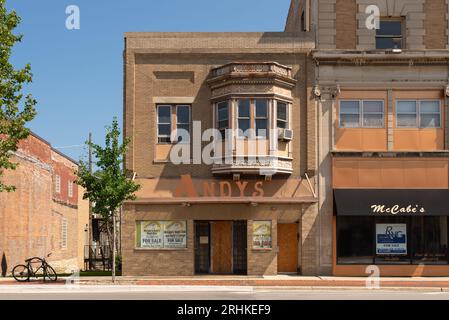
{"points": [[221, 247]]}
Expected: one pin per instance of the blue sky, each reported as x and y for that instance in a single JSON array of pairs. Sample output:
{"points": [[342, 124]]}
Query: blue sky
{"points": [[78, 73]]}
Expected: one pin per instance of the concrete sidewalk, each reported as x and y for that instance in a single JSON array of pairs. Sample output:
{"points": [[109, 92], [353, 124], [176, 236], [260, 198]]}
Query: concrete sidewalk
{"points": [[281, 281]]}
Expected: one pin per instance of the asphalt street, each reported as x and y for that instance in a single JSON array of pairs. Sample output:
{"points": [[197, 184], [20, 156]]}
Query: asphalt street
{"points": [[61, 292]]}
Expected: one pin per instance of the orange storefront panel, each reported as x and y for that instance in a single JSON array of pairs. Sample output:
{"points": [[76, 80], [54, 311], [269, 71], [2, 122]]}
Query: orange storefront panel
{"points": [[391, 173]]}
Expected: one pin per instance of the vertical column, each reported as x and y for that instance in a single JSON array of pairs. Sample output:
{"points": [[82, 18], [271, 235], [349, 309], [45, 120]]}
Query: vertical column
{"points": [[326, 24], [446, 119], [447, 26], [389, 124]]}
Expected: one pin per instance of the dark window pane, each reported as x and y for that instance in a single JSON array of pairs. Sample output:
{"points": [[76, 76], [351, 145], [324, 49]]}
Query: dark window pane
{"points": [[430, 240], [244, 125], [388, 43], [282, 124], [223, 124], [390, 28], [282, 111], [183, 114], [355, 242], [164, 114], [164, 140], [261, 128], [244, 107], [164, 129], [261, 108], [222, 111]]}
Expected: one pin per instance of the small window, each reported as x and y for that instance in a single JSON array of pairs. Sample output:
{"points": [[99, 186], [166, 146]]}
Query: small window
{"points": [[407, 114], [361, 114], [222, 118], [183, 123], [58, 183], [64, 236], [430, 114], [164, 124], [418, 114], [282, 115], [261, 118], [244, 117], [389, 35], [70, 189], [350, 114]]}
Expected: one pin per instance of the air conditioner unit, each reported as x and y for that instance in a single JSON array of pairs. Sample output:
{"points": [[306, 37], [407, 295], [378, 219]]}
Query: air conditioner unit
{"points": [[285, 134]]}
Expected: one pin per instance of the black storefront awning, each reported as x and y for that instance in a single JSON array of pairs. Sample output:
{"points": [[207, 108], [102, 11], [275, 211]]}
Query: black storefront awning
{"points": [[391, 202]]}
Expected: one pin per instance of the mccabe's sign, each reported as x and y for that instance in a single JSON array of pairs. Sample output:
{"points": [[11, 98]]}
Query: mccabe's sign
{"points": [[391, 202], [397, 209]]}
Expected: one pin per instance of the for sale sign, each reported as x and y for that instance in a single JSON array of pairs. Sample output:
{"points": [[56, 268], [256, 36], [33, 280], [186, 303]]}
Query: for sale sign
{"points": [[391, 239]]}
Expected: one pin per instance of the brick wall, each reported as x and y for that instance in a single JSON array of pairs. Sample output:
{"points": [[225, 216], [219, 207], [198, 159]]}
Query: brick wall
{"points": [[30, 219], [436, 24], [346, 24]]}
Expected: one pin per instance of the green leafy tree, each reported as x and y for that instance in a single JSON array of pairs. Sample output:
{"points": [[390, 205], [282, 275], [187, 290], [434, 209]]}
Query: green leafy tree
{"points": [[109, 186], [13, 118]]}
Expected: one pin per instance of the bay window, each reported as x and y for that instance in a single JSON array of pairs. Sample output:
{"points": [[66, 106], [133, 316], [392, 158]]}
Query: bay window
{"points": [[222, 118], [244, 117], [261, 120], [282, 115]]}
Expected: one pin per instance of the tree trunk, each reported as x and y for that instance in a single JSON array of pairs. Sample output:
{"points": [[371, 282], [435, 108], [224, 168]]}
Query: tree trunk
{"points": [[114, 235]]}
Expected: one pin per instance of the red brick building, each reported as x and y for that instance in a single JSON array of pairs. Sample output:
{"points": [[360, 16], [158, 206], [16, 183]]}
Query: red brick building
{"points": [[44, 214]]}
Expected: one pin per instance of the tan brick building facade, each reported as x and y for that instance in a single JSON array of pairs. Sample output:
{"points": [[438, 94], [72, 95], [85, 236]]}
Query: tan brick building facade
{"points": [[221, 205], [42, 216]]}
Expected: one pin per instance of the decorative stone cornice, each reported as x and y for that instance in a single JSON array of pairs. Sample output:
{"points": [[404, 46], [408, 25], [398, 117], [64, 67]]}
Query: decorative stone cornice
{"points": [[250, 78]]}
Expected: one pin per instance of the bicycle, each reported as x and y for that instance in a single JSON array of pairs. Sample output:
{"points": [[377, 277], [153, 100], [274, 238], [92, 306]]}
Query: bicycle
{"points": [[23, 272]]}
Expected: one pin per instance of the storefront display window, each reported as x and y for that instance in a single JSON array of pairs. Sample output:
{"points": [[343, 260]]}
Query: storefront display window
{"points": [[429, 240], [392, 240], [355, 240], [161, 234]]}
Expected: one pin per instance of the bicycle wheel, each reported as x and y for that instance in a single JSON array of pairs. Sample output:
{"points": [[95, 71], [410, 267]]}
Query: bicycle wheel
{"points": [[50, 273], [21, 273]]}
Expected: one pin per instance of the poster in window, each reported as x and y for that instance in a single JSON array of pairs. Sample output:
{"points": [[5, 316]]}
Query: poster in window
{"points": [[391, 239], [262, 235], [151, 234], [175, 234], [161, 234]]}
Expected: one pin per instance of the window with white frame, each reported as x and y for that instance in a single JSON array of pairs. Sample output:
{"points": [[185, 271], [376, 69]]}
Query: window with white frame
{"points": [[70, 188], [58, 183], [261, 117], [244, 117], [390, 34], [418, 114], [222, 121], [164, 124], [64, 234], [361, 114], [171, 118], [183, 124], [282, 114]]}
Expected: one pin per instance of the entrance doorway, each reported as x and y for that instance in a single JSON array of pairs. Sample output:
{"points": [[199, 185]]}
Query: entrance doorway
{"points": [[288, 247], [220, 247]]}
